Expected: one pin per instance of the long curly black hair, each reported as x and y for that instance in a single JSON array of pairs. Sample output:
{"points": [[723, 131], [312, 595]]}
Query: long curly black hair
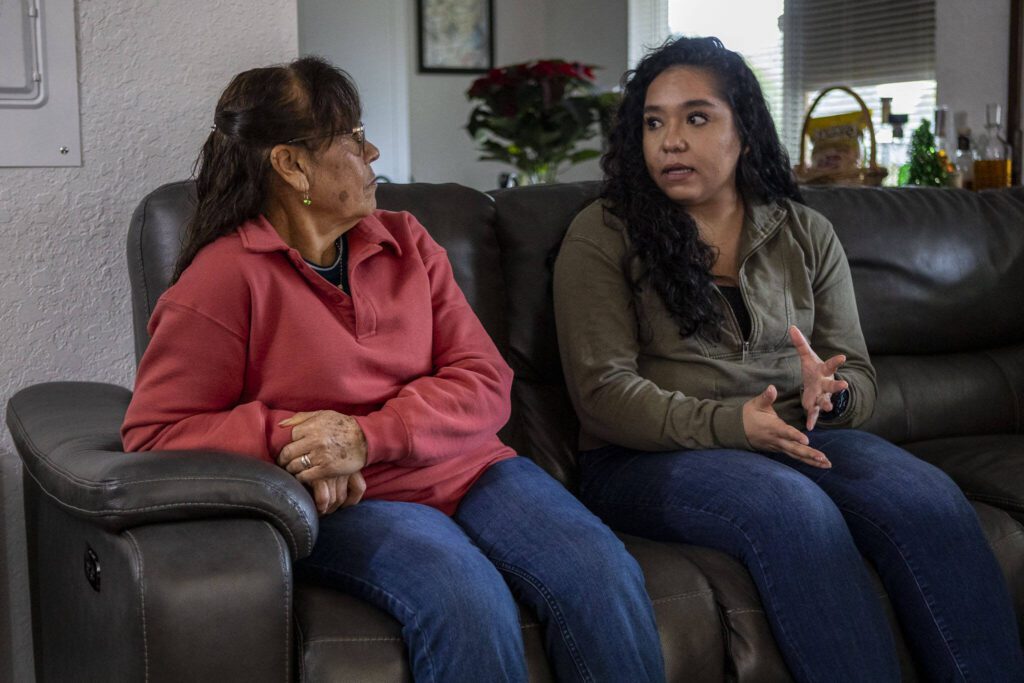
{"points": [[674, 261], [261, 108]]}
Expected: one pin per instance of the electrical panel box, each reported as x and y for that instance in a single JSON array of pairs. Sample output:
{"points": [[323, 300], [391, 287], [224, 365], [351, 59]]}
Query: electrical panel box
{"points": [[39, 122]]}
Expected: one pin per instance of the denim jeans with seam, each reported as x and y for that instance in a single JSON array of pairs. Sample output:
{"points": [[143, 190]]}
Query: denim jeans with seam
{"points": [[801, 531], [451, 581]]}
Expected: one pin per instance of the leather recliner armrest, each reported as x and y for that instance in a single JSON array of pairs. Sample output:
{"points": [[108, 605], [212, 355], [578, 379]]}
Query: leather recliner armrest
{"points": [[68, 436]]}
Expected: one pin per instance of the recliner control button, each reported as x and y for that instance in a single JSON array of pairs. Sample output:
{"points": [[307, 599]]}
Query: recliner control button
{"points": [[92, 568]]}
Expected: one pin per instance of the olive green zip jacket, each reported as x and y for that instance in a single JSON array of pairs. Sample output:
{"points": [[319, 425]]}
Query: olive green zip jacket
{"points": [[635, 382]]}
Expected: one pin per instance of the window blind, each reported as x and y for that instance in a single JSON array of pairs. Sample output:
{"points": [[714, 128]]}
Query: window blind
{"points": [[857, 43], [881, 48], [860, 42], [648, 27]]}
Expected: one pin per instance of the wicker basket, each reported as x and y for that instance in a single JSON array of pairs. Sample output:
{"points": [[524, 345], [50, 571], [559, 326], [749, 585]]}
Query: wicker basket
{"points": [[872, 174]]}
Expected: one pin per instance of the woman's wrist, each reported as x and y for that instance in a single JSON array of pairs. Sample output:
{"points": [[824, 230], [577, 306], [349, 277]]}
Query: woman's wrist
{"points": [[840, 402]]}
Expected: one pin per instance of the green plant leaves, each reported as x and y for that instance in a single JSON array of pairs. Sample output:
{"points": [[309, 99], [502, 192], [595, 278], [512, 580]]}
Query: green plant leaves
{"points": [[536, 114]]}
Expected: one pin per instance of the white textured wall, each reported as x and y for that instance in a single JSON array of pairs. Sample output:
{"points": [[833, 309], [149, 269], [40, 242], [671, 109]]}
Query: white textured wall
{"points": [[972, 57], [149, 75]]}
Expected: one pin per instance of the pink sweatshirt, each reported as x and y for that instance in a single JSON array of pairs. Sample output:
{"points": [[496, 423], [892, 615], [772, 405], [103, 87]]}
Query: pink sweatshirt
{"points": [[250, 334]]}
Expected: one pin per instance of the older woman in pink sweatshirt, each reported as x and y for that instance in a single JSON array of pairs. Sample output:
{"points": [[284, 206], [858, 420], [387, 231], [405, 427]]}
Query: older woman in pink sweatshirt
{"points": [[307, 328]]}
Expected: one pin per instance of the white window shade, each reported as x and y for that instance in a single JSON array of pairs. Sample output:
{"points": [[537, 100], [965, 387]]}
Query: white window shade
{"points": [[648, 27], [877, 47], [880, 48], [859, 42]]}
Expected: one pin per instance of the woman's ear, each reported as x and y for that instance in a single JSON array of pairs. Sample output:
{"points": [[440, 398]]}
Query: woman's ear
{"points": [[291, 165]]}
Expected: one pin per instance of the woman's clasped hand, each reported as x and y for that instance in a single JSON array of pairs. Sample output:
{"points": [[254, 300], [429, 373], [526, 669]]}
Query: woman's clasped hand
{"points": [[327, 453]]}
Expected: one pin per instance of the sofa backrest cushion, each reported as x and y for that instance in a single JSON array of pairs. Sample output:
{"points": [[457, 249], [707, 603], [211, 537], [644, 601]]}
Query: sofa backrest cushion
{"points": [[531, 224], [938, 276], [939, 279], [154, 242], [459, 218], [936, 271]]}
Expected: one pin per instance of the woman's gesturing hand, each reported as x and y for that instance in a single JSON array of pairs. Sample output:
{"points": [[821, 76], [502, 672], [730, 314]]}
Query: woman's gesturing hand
{"points": [[325, 444], [338, 492], [767, 432], [819, 378]]}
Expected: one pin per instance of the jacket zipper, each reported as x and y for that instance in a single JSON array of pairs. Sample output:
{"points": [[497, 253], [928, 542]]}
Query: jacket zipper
{"points": [[743, 294], [745, 348]]}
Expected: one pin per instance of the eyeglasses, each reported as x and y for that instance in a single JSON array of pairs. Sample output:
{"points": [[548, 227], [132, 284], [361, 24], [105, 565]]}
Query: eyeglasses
{"points": [[358, 134]]}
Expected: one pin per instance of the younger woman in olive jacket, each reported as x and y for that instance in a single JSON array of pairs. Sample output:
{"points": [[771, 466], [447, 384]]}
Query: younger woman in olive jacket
{"points": [[695, 302]]}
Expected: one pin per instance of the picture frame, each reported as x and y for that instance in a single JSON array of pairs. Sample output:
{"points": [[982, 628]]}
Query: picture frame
{"points": [[455, 36]]}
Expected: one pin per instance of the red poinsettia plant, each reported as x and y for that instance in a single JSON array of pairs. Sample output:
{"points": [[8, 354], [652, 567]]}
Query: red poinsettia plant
{"points": [[535, 115]]}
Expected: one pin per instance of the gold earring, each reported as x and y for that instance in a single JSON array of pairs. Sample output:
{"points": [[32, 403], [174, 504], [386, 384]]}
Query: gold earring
{"points": [[306, 201]]}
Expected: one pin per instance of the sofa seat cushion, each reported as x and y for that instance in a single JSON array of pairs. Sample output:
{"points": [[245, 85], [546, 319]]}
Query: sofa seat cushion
{"points": [[751, 652], [1005, 536], [710, 618], [344, 638], [988, 468]]}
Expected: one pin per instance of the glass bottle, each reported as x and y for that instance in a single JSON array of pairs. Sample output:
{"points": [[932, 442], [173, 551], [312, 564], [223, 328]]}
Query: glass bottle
{"points": [[942, 147], [899, 151], [883, 136], [884, 140], [993, 168], [965, 158]]}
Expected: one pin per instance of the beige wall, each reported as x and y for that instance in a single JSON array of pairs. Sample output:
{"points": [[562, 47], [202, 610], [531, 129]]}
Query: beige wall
{"points": [[972, 57], [591, 31], [149, 74], [368, 39], [417, 119]]}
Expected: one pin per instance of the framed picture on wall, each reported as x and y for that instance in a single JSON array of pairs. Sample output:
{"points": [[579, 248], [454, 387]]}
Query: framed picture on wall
{"points": [[456, 36]]}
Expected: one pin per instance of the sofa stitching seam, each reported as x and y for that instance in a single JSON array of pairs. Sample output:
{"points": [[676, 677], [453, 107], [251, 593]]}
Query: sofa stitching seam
{"points": [[1007, 537], [300, 647], [357, 639], [988, 498], [142, 603], [283, 564], [1009, 384], [682, 596], [903, 396], [142, 261]]}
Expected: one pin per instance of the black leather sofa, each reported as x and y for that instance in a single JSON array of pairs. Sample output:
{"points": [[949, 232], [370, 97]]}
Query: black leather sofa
{"points": [[171, 567]]}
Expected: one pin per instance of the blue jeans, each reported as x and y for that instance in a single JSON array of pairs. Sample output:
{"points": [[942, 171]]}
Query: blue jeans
{"points": [[451, 581], [801, 532]]}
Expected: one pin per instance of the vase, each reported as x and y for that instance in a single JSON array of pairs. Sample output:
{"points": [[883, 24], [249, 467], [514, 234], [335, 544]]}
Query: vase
{"points": [[537, 175], [544, 174]]}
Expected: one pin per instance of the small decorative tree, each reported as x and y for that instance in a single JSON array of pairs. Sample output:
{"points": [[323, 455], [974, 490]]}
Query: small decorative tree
{"points": [[925, 167]]}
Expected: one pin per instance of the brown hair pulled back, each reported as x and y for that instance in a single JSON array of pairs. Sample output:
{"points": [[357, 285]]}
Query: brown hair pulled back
{"points": [[259, 109]]}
